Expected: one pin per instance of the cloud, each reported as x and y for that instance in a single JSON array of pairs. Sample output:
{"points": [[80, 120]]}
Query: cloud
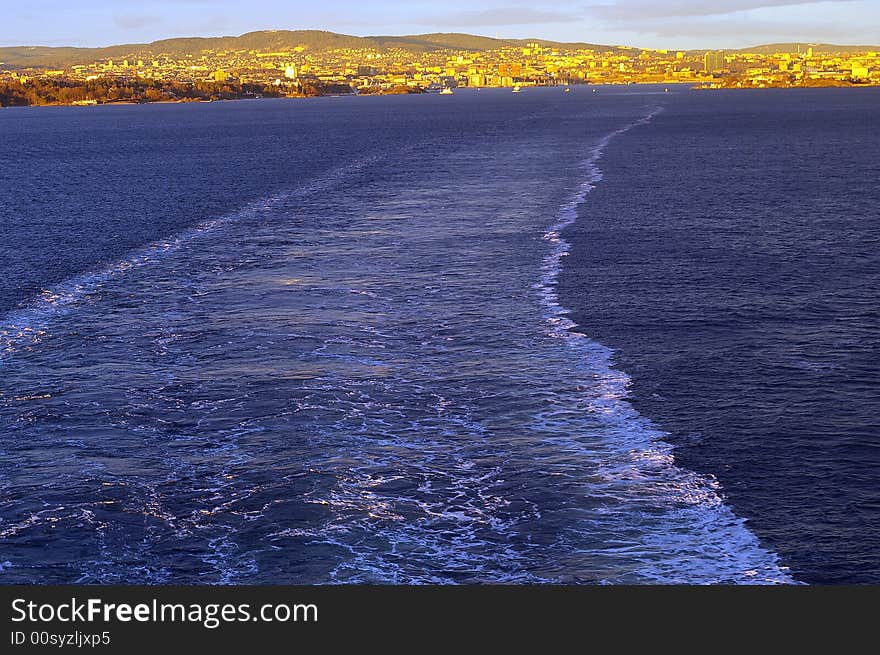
{"points": [[735, 21], [627, 10], [135, 22], [154, 3], [751, 31], [499, 16], [210, 23]]}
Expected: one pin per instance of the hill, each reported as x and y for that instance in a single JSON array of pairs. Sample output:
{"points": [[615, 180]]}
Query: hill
{"points": [[264, 41], [318, 41], [829, 48]]}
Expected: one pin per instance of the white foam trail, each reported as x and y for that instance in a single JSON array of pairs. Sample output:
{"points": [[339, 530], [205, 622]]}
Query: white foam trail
{"points": [[28, 326], [716, 545]]}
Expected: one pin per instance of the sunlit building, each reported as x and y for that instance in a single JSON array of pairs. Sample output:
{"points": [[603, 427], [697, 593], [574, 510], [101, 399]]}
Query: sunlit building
{"points": [[713, 61]]}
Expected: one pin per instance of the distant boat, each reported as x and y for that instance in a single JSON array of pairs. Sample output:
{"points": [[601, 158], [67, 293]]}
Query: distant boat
{"points": [[447, 91], [567, 90], [517, 88]]}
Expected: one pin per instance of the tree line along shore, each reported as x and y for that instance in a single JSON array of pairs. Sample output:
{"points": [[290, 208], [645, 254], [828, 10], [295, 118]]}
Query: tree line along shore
{"points": [[60, 91], [43, 92]]}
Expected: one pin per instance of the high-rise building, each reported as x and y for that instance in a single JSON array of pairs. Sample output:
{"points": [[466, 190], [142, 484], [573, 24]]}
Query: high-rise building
{"points": [[713, 61]]}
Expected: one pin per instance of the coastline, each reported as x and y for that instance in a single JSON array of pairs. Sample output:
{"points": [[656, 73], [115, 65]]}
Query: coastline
{"points": [[691, 86]]}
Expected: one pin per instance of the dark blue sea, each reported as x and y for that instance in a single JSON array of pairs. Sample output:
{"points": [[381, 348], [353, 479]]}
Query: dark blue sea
{"points": [[612, 336]]}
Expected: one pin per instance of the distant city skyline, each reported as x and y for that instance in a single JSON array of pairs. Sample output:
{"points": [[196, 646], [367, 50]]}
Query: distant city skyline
{"points": [[674, 24]]}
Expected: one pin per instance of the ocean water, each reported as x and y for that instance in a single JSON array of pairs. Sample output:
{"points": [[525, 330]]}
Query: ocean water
{"points": [[730, 258], [350, 340]]}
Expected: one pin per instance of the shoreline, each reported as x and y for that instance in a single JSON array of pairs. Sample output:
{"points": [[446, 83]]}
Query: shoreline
{"points": [[692, 86]]}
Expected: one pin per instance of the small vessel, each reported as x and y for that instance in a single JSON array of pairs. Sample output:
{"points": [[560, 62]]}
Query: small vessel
{"points": [[567, 90], [517, 88], [447, 91]]}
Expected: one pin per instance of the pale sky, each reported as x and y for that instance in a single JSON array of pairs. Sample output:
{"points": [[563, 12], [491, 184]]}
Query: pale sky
{"points": [[674, 24]]}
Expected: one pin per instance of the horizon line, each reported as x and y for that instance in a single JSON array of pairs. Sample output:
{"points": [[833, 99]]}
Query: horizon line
{"points": [[399, 36]]}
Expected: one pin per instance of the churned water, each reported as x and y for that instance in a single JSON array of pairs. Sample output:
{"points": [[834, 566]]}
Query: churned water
{"points": [[323, 342]]}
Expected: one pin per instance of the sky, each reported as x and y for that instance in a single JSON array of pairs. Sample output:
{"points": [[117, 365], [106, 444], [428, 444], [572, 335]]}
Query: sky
{"points": [[673, 24]]}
